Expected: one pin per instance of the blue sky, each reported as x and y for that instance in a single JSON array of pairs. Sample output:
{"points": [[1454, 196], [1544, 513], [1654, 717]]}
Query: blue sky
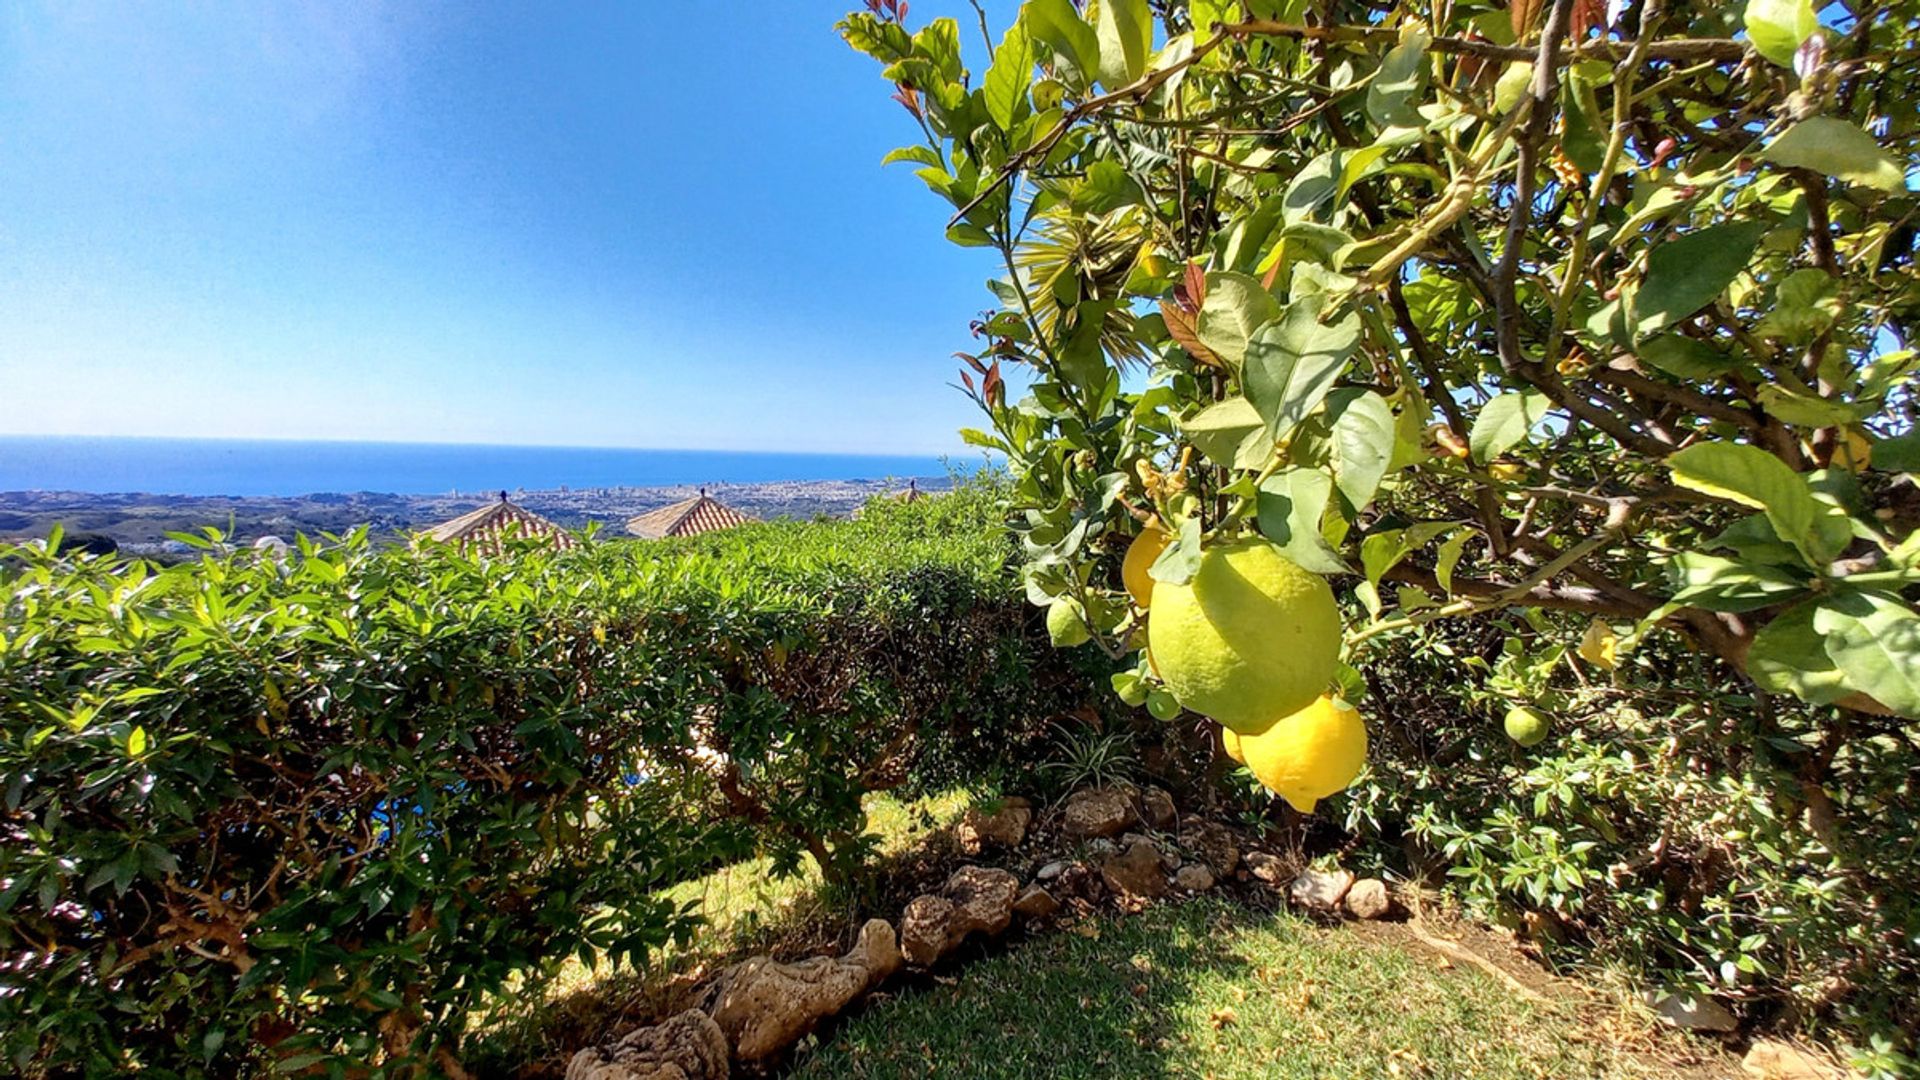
{"points": [[614, 224]]}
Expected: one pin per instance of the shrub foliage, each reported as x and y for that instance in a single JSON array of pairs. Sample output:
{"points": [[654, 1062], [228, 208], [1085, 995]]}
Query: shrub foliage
{"points": [[1601, 312], [310, 810]]}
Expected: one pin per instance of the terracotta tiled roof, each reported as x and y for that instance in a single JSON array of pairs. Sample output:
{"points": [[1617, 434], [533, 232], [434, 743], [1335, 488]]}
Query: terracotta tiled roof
{"points": [[688, 517], [485, 531]]}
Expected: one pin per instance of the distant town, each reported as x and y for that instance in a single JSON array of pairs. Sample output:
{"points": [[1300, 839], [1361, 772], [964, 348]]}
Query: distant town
{"points": [[140, 523]]}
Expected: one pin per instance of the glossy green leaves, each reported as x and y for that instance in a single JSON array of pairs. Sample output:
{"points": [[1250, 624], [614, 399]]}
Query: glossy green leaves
{"points": [[1292, 363], [1686, 274], [1752, 477], [1838, 149], [1503, 423], [1777, 27]]}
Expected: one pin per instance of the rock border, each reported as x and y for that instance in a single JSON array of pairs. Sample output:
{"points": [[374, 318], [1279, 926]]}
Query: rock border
{"points": [[755, 1011]]}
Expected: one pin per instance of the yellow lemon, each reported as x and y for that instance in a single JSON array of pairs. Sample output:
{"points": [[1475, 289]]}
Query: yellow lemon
{"points": [[1140, 556], [1230, 739], [1855, 451], [1250, 637], [1309, 755]]}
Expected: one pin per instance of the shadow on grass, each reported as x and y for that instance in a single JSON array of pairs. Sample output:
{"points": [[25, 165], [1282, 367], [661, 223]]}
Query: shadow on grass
{"points": [[1209, 989], [534, 1030], [1219, 988]]}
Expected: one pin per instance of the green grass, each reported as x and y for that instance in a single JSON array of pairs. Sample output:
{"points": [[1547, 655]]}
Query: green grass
{"points": [[745, 909], [1147, 997], [743, 905]]}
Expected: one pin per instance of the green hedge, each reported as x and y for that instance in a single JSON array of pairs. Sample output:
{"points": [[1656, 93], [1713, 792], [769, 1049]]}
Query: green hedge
{"points": [[310, 811]]}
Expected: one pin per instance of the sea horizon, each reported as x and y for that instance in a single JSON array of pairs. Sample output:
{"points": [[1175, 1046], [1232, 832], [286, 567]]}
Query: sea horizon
{"points": [[189, 467]]}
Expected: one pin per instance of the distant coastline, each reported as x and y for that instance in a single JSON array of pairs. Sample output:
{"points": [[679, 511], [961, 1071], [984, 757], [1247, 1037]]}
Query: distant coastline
{"points": [[288, 468], [139, 523]]}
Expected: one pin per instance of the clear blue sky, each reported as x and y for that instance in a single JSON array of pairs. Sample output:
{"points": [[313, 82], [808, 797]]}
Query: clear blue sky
{"points": [[609, 224]]}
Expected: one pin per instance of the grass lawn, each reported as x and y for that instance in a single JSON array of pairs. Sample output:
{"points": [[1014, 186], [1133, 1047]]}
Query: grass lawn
{"points": [[1213, 990], [745, 910]]}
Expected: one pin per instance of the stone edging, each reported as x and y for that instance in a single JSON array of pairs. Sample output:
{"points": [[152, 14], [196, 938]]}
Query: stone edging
{"points": [[757, 1009]]}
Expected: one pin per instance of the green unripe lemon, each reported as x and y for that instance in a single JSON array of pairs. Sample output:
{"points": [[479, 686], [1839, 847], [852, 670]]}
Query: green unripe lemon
{"points": [[1250, 638], [1525, 726], [1066, 626]]}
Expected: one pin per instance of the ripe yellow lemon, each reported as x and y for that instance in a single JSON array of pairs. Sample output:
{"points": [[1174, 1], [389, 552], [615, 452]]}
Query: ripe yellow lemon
{"points": [[1231, 740], [1250, 637], [1140, 556], [1855, 451], [1309, 755]]}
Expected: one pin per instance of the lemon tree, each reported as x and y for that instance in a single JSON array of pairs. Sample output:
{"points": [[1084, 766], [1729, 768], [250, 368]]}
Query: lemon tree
{"points": [[1601, 309]]}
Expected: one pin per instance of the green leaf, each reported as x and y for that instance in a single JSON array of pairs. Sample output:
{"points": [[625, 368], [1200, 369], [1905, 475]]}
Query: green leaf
{"points": [[1684, 357], [1805, 410], [1181, 559], [976, 437], [1898, 454], [1361, 443], [1718, 584], [1381, 551], [1290, 507], [1221, 429], [1009, 76], [1686, 275], [919, 154], [1236, 305], [1292, 362], [1839, 149], [1208, 12], [1125, 30], [1752, 538], [1402, 72], [137, 742], [1789, 657], [883, 40], [1503, 423], [1875, 642], [939, 42], [1163, 706], [1449, 558], [1805, 304], [1057, 25], [1777, 27], [1317, 182], [1752, 477]]}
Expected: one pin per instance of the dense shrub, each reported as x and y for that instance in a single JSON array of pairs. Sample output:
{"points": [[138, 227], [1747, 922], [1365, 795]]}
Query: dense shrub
{"points": [[1673, 824], [312, 809]]}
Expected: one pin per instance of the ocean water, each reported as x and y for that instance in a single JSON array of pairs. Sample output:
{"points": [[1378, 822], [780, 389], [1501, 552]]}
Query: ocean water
{"points": [[274, 467]]}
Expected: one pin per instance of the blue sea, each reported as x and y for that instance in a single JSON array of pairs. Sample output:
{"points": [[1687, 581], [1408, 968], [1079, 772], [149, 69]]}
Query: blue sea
{"points": [[274, 467]]}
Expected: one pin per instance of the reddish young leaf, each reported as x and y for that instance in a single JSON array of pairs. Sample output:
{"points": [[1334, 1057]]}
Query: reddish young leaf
{"points": [[1524, 13], [1196, 285], [1273, 274], [1183, 325]]}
